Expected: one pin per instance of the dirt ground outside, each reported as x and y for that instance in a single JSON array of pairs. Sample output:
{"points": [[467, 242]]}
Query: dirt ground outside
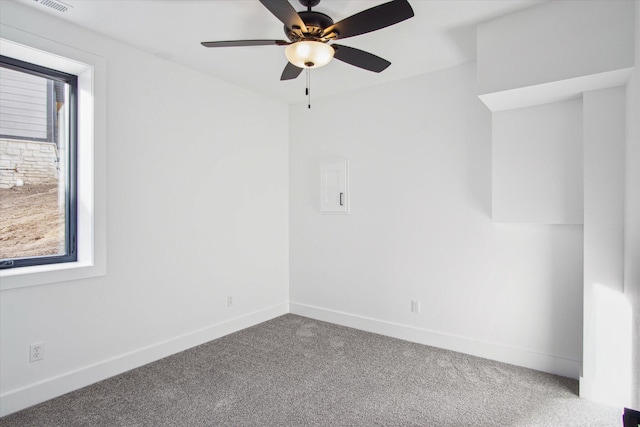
{"points": [[31, 223]]}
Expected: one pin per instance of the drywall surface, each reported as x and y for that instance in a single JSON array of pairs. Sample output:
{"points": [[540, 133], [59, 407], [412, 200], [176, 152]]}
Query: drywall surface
{"points": [[607, 317], [537, 164], [554, 51], [420, 228], [632, 213], [197, 211], [604, 136], [555, 41]]}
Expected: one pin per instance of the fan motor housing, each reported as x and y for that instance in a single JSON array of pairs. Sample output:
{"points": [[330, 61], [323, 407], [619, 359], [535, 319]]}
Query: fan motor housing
{"points": [[309, 3], [315, 22]]}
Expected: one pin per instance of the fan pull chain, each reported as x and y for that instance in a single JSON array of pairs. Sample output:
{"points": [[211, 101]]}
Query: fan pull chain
{"points": [[308, 90]]}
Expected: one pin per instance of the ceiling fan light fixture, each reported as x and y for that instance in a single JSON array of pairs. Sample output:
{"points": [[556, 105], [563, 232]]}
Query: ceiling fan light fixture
{"points": [[309, 54]]}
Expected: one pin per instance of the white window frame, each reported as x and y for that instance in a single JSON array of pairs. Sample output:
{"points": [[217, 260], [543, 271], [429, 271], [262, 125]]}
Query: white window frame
{"points": [[91, 157]]}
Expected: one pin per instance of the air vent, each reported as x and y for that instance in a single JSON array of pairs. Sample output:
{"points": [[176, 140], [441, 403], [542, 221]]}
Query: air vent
{"points": [[54, 4]]}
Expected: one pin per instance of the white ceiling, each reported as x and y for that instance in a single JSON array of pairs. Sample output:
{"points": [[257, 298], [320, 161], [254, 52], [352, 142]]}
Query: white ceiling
{"points": [[440, 35]]}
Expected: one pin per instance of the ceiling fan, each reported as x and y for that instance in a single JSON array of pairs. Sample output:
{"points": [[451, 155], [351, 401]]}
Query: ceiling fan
{"points": [[309, 33]]}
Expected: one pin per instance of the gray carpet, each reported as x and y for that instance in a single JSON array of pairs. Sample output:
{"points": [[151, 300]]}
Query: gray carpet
{"points": [[295, 371]]}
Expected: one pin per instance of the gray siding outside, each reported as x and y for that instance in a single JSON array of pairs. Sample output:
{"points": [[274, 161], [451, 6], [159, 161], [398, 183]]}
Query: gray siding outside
{"points": [[23, 105]]}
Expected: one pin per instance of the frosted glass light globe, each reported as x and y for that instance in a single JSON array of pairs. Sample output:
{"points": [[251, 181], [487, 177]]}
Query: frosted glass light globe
{"points": [[309, 54]]}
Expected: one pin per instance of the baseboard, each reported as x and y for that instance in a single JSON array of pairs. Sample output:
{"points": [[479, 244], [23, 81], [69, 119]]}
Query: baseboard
{"points": [[488, 350], [15, 400]]}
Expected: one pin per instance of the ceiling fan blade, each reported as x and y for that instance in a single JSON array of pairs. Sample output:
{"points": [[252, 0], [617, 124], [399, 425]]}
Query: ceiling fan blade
{"points": [[371, 19], [236, 43], [283, 10], [360, 58], [290, 72]]}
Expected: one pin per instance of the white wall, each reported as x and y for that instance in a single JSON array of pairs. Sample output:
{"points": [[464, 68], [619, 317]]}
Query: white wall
{"points": [[555, 41], [420, 227], [551, 52], [604, 136], [606, 350], [197, 210], [537, 164], [554, 52], [632, 212]]}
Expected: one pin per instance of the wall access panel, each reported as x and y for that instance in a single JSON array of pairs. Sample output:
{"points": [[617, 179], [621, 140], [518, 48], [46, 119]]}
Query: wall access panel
{"points": [[334, 187]]}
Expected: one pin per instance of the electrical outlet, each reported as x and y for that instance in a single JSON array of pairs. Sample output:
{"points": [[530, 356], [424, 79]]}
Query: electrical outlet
{"points": [[415, 306], [229, 301], [36, 352]]}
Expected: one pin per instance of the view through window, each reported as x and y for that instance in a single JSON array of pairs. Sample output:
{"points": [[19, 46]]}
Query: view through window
{"points": [[37, 165]]}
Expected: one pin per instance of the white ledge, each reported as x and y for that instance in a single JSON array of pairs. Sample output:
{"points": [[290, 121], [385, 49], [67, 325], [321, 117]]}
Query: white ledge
{"points": [[557, 91]]}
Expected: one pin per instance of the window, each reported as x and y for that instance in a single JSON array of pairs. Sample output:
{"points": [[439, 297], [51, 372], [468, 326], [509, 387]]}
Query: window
{"points": [[91, 166], [38, 119]]}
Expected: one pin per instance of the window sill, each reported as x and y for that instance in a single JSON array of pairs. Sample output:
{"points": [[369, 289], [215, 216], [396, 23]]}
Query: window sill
{"points": [[21, 277]]}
